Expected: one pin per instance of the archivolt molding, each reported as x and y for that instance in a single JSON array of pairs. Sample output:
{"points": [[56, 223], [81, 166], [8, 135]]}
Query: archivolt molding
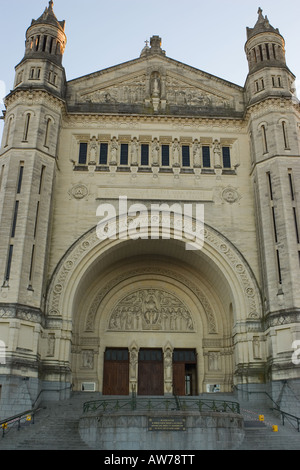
{"points": [[152, 271], [89, 247]]}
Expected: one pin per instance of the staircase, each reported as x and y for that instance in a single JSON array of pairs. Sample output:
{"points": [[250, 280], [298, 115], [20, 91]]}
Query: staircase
{"points": [[56, 428]]}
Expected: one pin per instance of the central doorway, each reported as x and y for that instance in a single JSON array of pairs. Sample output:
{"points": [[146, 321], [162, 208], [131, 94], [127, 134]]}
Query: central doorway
{"points": [[150, 372]]}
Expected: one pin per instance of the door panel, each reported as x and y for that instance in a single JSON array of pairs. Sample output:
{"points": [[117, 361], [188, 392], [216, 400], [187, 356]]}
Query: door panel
{"points": [[116, 373], [150, 373], [179, 378]]}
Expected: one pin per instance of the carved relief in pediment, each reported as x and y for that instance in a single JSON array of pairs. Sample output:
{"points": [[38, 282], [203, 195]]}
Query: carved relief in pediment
{"points": [[157, 89], [130, 91], [186, 94], [150, 309]]}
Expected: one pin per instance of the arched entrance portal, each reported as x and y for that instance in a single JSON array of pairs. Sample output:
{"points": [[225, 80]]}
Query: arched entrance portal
{"points": [[151, 317]]}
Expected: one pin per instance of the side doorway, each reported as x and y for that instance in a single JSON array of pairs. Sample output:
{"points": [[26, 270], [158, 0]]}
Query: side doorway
{"points": [[116, 372], [185, 372]]}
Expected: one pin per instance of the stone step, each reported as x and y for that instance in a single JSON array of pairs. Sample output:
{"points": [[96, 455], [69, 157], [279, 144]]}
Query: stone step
{"points": [[56, 428]]}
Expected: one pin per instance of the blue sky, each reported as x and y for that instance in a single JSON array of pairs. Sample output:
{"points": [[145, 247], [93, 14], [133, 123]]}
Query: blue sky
{"points": [[209, 35]]}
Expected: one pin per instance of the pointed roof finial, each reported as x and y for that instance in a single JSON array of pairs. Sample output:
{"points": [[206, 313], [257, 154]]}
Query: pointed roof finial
{"points": [[259, 11], [51, 4]]}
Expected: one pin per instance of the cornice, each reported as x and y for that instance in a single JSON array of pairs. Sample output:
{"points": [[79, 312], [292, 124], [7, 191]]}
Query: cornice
{"points": [[70, 120], [33, 96]]}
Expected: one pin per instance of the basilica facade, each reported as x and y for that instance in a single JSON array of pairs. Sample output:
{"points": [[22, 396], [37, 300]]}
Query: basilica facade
{"points": [[102, 287]]}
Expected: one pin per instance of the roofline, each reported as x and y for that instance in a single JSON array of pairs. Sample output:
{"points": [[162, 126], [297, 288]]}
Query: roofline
{"points": [[143, 59]]}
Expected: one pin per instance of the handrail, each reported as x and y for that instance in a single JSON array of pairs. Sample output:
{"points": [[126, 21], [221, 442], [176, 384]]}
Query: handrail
{"points": [[110, 405], [276, 408], [28, 416]]}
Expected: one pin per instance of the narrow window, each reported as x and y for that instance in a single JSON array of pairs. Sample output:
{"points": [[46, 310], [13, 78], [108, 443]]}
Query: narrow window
{"points": [[206, 156], [261, 52], [44, 43], [124, 154], [36, 219], [20, 177], [37, 43], [9, 260], [42, 178], [270, 185], [264, 138], [32, 72], [57, 51], [186, 155], [26, 128], [165, 155], [8, 131], [31, 265], [278, 267], [268, 52], [273, 82], [145, 154], [14, 224], [291, 185], [296, 224], [82, 153], [103, 153], [226, 157], [38, 73], [1, 176], [46, 142], [51, 45], [285, 136], [274, 50], [279, 81], [274, 224], [256, 86]]}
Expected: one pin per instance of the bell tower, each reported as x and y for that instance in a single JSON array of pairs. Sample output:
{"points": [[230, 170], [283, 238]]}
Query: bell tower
{"points": [[273, 117], [28, 165]]}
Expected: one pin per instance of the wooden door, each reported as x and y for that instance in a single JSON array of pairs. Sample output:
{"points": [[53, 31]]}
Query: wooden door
{"points": [[184, 372], [179, 378], [150, 372], [116, 372]]}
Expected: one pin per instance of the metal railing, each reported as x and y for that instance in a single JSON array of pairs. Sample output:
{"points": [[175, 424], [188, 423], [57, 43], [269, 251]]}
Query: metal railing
{"points": [[292, 419], [110, 405], [21, 419]]}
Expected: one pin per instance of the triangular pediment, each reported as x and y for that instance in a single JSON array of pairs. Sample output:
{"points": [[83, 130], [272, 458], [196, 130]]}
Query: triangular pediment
{"points": [[158, 84]]}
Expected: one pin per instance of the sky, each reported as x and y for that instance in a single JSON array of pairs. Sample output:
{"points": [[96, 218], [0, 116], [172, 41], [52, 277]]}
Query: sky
{"points": [[208, 35]]}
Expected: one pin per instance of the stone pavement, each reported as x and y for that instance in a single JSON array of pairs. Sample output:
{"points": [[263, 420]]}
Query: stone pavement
{"points": [[56, 428]]}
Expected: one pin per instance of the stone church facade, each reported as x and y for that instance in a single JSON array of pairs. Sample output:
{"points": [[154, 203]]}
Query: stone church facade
{"points": [[131, 311]]}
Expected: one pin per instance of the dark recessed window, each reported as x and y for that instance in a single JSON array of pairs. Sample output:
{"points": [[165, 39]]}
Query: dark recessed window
{"points": [[206, 156], [165, 155], [226, 157], [124, 154], [145, 154], [82, 153], [185, 155], [103, 153]]}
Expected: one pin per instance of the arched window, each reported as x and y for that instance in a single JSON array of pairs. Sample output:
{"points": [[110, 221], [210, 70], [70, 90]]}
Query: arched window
{"points": [[8, 131]]}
